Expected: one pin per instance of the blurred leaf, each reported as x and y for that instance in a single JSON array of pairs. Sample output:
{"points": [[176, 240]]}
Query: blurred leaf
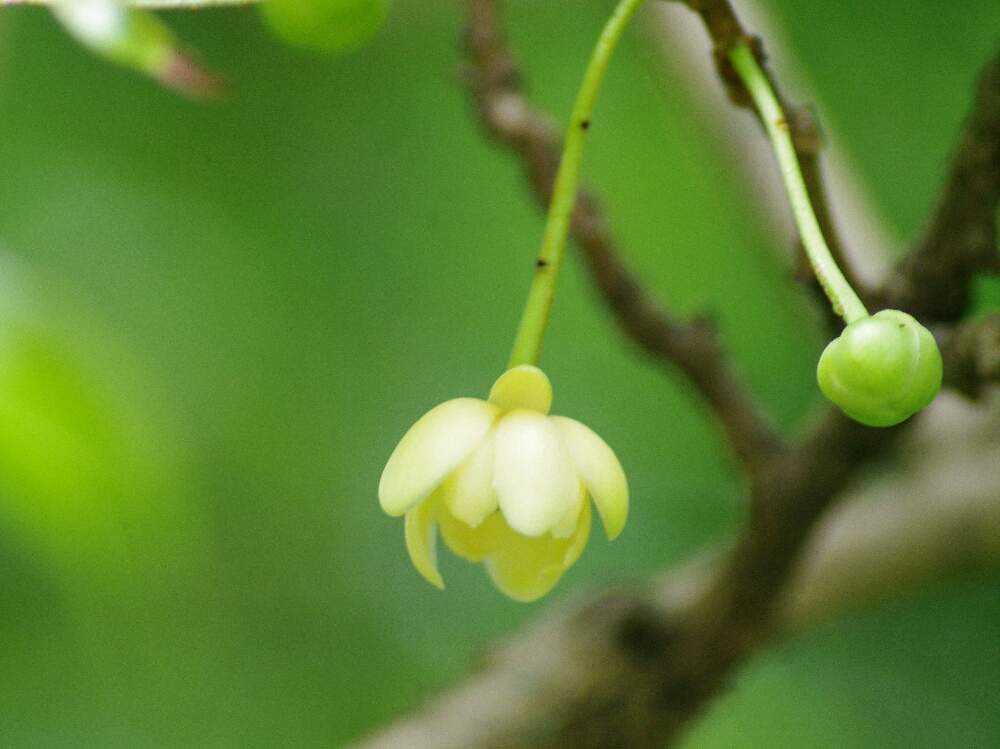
{"points": [[293, 276]]}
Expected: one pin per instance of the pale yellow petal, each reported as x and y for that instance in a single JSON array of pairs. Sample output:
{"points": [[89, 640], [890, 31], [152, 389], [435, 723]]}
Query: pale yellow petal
{"points": [[525, 387], [525, 569], [474, 544], [568, 523], [533, 476], [433, 448], [528, 571], [600, 470], [578, 542], [468, 492], [421, 542]]}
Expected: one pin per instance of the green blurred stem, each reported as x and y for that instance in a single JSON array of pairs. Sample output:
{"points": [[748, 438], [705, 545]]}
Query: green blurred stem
{"points": [[845, 302], [535, 319], [151, 4]]}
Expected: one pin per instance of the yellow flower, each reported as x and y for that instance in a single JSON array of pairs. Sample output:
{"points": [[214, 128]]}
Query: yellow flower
{"points": [[505, 483]]}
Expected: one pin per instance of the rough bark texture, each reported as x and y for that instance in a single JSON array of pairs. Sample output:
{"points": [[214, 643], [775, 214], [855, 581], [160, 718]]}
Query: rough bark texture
{"points": [[634, 668], [692, 347], [591, 673], [933, 281]]}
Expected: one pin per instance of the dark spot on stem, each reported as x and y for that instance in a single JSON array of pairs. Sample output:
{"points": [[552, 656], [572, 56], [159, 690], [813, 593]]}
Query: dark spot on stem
{"points": [[541, 263], [584, 124]]}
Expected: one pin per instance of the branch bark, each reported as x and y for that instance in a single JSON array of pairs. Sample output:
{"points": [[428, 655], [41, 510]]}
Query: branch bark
{"points": [[726, 31], [933, 281], [583, 675], [692, 347], [634, 669], [971, 353], [939, 516]]}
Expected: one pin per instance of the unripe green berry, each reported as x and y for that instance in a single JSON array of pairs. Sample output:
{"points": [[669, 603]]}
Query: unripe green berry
{"points": [[326, 25], [882, 369]]}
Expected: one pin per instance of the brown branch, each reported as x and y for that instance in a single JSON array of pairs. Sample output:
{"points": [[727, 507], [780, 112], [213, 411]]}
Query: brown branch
{"points": [[634, 669], [938, 516], [726, 31], [933, 281], [591, 675], [971, 353], [692, 347], [678, 38]]}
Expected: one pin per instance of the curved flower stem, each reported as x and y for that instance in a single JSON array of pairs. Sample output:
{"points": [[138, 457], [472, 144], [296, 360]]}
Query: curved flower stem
{"points": [[845, 302], [535, 319]]}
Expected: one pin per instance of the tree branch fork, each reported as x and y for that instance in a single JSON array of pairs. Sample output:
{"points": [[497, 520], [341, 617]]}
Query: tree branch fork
{"points": [[634, 668]]}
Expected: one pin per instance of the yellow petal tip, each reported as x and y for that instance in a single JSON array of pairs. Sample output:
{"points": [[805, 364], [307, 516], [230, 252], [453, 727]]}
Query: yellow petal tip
{"points": [[613, 532], [421, 543], [601, 472], [432, 448], [524, 386], [437, 581]]}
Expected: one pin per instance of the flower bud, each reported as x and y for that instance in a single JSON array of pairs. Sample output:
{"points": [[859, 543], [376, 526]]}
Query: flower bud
{"points": [[136, 39], [882, 369]]}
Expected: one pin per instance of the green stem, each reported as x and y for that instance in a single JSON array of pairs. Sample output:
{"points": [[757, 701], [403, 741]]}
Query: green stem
{"points": [[535, 319], [151, 4], [845, 302]]}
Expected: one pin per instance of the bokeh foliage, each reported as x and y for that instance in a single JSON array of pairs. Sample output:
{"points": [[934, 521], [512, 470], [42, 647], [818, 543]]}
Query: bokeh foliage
{"points": [[221, 318]]}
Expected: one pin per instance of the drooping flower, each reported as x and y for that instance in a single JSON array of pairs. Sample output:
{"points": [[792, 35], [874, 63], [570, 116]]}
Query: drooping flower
{"points": [[505, 484]]}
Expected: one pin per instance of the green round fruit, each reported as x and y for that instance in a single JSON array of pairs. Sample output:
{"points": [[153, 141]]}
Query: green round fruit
{"points": [[882, 369], [326, 25]]}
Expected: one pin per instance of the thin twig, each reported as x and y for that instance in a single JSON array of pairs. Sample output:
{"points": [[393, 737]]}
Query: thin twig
{"points": [[587, 668], [726, 31], [634, 669], [678, 39], [971, 352], [690, 346], [933, 281]]}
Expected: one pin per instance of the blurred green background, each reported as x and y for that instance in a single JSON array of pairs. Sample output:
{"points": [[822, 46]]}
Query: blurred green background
{"points": [[218, 319]]}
